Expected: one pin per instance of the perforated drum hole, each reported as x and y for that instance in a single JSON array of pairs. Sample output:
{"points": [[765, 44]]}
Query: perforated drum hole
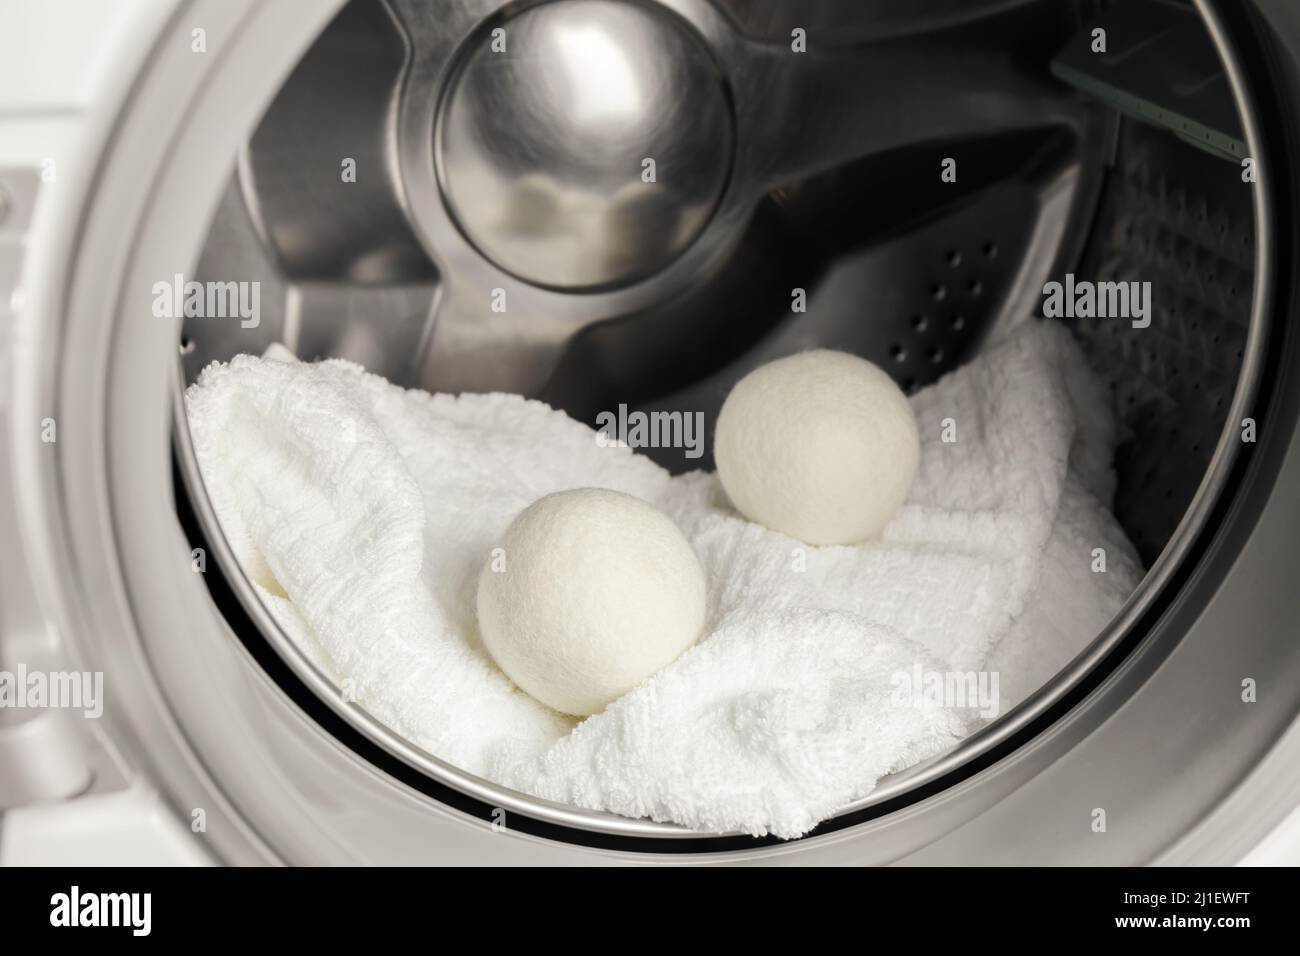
{"points": [[975, 287], [898, 353], [939, 292], [936, 355], [920, 322], [990, 249], [958, 322], [954, 258]]}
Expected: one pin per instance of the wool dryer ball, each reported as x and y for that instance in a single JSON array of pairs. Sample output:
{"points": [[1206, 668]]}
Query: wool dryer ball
{"points": [[597, 590], [821, 446]]}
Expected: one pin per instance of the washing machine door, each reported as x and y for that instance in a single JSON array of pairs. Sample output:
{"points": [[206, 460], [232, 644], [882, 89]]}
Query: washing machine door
{"points": [[1177, 725]]}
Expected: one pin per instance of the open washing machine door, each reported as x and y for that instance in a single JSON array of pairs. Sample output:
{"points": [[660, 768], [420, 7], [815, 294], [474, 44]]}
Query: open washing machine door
{"points": [[212, 145]]}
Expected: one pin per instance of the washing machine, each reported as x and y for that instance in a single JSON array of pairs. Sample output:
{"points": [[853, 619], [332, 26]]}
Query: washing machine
{"points": [[942, 160]]}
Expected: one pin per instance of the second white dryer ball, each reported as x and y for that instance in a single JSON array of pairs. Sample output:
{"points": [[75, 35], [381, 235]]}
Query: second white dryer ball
{"points": [[595, 591], [821, 446]]}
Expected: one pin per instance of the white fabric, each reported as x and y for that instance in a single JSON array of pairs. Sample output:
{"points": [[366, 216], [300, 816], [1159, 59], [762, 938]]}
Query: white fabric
{"points": [[364, 513]]}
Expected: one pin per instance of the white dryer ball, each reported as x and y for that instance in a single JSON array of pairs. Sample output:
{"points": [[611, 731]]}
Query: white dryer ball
{"points": [[593, 592], [821, 446]]}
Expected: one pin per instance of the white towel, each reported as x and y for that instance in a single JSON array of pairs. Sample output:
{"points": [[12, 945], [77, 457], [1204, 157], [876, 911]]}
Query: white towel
{"points": [[363, 513]]}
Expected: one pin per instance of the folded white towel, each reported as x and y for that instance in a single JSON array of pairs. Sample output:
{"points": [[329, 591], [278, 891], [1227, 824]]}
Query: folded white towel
{"points": [[364, 512]]}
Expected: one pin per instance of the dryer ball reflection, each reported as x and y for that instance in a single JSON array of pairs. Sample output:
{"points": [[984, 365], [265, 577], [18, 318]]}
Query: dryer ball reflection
{"points": [[598, 591], [821, 446]]}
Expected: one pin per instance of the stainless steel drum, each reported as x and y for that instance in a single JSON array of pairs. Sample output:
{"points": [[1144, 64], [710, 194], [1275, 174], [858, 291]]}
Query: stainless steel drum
{"points": [[795, 147]]}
